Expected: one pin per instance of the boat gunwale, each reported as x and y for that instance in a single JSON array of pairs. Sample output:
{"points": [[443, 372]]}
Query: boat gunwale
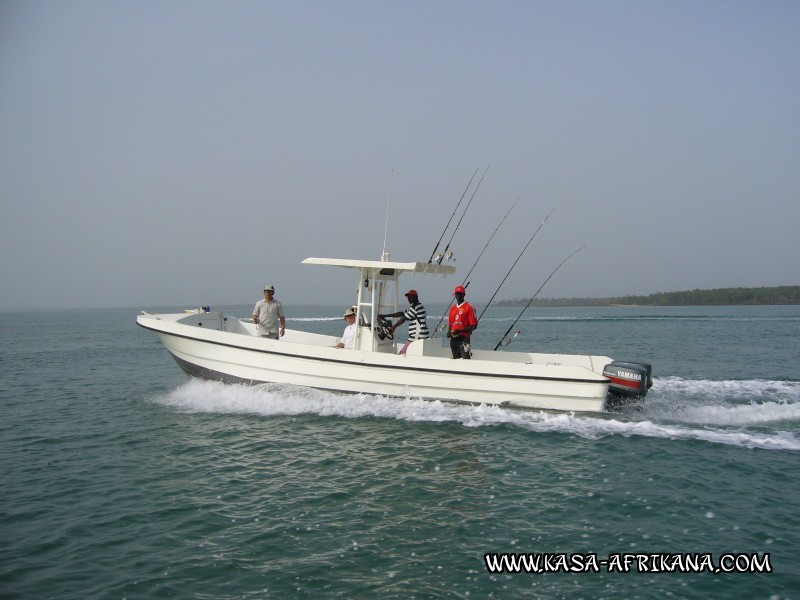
{"points": [[601, 381]]}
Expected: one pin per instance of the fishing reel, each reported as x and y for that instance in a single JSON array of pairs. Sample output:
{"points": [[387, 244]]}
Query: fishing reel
{"points": [[505, 341], [450, 255], [383, 329]]}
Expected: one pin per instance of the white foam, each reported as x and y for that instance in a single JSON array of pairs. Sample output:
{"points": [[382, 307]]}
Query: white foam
{"points": [[713, 423], [731, 389], [725, 403]]}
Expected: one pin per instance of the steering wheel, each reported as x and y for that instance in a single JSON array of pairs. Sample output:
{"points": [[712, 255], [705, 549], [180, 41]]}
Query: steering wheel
{"points": [[383, 329]]}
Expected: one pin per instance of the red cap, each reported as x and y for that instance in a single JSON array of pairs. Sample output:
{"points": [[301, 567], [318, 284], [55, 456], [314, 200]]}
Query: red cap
{"points": [[412, 293], [459, 290]]}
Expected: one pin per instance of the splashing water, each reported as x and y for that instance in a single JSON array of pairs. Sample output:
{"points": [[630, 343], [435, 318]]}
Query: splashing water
{"points": [[730, 413]]}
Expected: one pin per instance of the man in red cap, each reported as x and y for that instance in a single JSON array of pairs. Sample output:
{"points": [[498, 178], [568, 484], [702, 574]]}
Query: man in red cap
{"points": [[417, 318], [462, 323]]}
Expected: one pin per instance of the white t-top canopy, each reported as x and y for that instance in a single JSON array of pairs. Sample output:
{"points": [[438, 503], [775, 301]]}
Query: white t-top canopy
{"points": [[379, 293], [384, 267]]}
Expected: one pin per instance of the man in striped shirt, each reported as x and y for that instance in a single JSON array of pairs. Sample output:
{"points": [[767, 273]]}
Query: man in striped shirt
{"points": [[417, 318]]}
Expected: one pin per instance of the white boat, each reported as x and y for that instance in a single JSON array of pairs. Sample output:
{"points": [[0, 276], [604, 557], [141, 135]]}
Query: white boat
{"points": [[210, 345]]}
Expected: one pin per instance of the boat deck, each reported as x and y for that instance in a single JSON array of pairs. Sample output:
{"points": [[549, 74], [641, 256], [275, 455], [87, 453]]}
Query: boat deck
{"points": [[437, 347]]}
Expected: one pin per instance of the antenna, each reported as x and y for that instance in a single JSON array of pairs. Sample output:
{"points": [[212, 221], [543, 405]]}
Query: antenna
{"points": [[384, 256]]}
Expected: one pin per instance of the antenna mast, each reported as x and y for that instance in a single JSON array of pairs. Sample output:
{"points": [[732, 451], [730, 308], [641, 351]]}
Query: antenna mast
{"points": [[384, 256]]}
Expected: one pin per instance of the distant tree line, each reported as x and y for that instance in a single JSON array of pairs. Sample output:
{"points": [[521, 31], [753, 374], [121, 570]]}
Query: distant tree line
{"points": [[785, 294]]}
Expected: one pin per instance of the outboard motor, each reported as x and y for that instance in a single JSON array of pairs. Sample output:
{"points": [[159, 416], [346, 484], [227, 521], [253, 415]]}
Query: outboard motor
{"points": [[629, 379]]}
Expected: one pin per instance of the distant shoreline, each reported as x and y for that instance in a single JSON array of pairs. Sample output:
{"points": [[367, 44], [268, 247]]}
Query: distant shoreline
{"points": [[780, 295], [761, 296]]}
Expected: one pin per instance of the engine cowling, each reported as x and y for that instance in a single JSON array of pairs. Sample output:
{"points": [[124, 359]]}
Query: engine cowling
{"points": [[629, 379]]}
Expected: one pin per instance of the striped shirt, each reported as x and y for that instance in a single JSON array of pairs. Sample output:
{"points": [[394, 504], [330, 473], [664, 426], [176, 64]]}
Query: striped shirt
{"points": [[417, 318]]}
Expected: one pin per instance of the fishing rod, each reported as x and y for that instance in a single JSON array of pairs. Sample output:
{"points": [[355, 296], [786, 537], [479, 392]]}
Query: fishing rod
{"points": [[430, 260], [477, 187], [536, 294], [515, 262], [490, 239], [466, 277]]}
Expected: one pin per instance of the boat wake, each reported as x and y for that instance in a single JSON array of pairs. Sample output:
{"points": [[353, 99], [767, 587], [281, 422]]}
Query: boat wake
{"points": [[730, 402], [749, 414]]}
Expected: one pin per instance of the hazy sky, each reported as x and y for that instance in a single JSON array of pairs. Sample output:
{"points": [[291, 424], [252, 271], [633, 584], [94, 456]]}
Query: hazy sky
{"points": [[188, 152]]}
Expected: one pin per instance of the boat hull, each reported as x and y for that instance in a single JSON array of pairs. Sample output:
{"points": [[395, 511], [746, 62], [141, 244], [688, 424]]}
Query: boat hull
{"points": [[557, 382]]}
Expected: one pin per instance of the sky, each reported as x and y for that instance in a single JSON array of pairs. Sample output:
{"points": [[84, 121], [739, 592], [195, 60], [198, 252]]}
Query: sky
{"points": [[188, 152]]}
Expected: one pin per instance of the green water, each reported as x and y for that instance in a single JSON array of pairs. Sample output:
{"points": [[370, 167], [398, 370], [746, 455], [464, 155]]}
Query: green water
{"points": [[123, 479]]}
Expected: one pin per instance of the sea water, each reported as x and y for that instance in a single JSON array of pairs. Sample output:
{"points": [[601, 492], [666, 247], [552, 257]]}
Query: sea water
{"points": [[122, 478]]}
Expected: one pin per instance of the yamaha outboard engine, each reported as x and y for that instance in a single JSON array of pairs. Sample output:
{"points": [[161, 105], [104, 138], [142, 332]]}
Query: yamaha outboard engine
{"points": [[628, 379]]}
